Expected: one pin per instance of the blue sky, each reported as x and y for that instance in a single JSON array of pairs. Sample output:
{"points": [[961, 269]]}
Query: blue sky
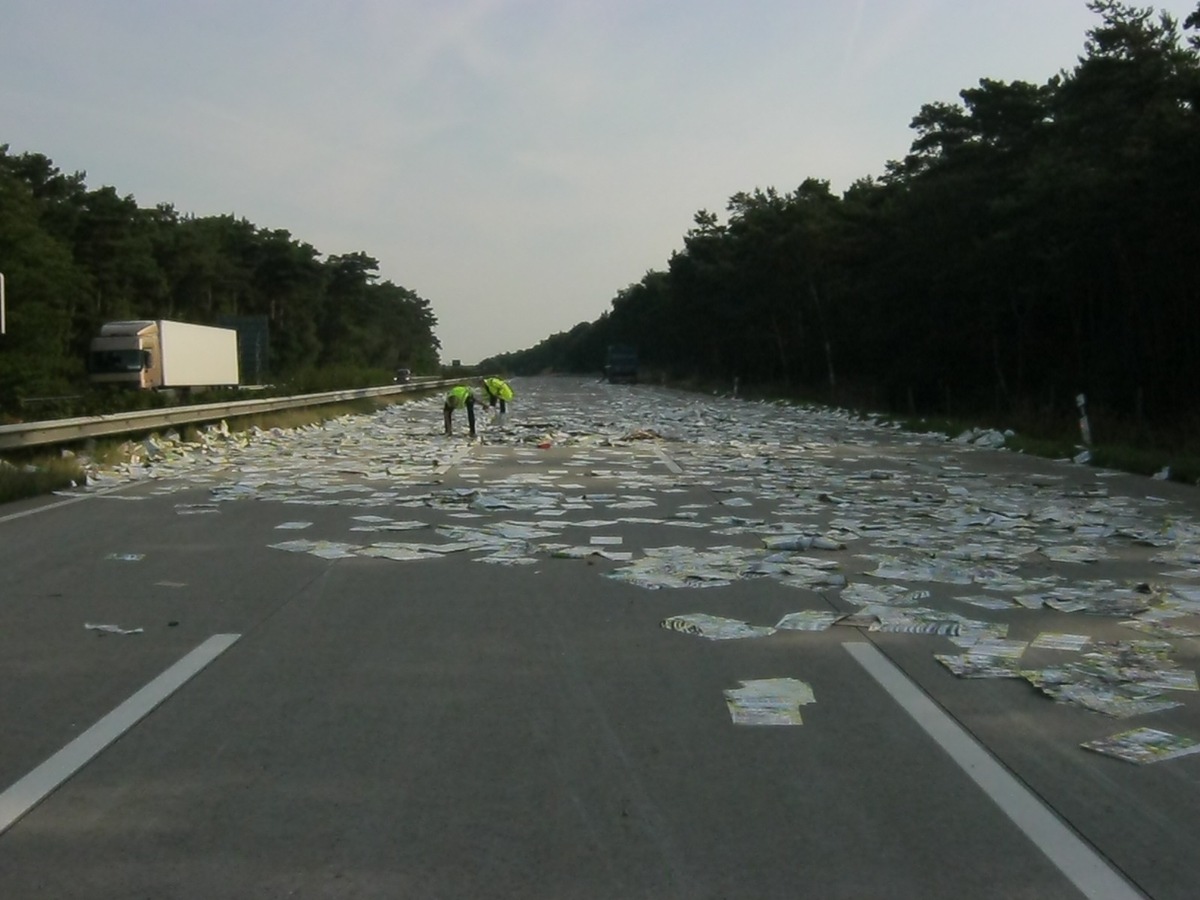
{"points": [[515, 162]]}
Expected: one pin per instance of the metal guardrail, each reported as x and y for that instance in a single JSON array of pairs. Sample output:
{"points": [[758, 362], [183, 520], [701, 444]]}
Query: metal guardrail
{"points": [[61, 431]]}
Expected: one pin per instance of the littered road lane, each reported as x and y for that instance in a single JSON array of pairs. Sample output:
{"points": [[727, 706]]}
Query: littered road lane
{"points": [[376, 662]]}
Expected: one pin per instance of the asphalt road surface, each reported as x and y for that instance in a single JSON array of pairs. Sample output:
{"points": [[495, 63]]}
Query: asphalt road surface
{"points": [[377, 662]]}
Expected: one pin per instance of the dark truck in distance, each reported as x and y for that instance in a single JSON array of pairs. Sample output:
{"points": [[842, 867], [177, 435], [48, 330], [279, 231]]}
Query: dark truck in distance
{"points": [[621, 364]]}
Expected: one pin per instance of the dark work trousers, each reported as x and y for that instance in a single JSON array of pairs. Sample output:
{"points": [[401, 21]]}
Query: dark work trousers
{"points": [[493, 399], [447, 410]]}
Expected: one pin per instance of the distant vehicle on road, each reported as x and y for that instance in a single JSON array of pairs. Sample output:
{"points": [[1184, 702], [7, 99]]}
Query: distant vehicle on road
{"points": [[402, 376], [621, 364]]}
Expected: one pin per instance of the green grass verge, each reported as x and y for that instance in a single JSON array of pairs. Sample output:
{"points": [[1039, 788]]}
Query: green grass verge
{"points": [[37, 476], [1127, 451]]}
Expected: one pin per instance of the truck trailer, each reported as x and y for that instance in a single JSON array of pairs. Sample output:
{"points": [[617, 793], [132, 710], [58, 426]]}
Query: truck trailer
{"points": [[161, 354]]}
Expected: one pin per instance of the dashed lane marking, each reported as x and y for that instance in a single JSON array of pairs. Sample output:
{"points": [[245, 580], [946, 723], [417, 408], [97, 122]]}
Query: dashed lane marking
{"points": [[1078, 861], [29, 791]]}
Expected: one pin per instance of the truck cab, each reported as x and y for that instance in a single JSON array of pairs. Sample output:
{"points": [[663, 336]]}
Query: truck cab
{"points": [[126, 353]]}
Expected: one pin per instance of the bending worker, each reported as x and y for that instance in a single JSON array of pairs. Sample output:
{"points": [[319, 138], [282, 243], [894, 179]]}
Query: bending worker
{"points": [[497, 391], [459, 397]]}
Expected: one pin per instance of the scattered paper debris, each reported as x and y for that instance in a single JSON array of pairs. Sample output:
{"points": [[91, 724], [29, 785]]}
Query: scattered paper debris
{"points": [[1048, 640], [967, 665], [802, 542], [715, 628], [1116, 678], [807, 620], [1144, 745], [770, 701], [839, 508], [111, 629], [191, 509]]}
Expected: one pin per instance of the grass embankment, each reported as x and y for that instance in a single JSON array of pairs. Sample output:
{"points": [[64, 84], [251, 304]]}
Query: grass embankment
{"points": [[38, 476], [1121, 448]]}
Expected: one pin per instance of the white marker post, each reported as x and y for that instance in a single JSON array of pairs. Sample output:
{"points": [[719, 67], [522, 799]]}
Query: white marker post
{"points": [[1085, 430], [1, 303]]}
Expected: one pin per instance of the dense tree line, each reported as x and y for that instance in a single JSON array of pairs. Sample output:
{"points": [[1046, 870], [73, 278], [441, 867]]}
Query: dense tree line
{"points": [[75, 257], [1038, 241]]}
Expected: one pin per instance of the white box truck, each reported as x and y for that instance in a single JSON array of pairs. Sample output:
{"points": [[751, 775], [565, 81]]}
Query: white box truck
{"points": [[163, 354]]}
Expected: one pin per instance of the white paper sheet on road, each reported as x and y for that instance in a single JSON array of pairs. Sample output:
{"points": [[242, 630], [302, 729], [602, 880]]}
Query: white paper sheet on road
{"points": [[768, 701], [715, 628], [1144, 745], [807, 620], [111, 629], [1049, 640]]}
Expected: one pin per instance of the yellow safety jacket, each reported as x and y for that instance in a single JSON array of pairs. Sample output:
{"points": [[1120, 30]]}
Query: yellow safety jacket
{"points": [[498, 389], [458, 397]]}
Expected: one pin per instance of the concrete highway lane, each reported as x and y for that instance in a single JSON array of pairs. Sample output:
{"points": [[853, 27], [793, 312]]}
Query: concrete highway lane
{"points": [[378, 662]]}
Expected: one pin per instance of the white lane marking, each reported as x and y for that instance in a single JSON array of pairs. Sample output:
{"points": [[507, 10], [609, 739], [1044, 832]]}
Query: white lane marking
{"points": [[67, 502], [39, 783], [1085, 868], [675, 468]]}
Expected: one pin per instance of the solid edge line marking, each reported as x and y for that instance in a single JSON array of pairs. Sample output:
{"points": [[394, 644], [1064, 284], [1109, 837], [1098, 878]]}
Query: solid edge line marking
{"points": [[67, 502], [673, 466], [1078, 861], [39, 783]]}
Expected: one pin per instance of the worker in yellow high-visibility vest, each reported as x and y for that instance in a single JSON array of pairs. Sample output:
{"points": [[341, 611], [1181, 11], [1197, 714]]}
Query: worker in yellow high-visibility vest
{"points": [[497, 391], [460, 397]]}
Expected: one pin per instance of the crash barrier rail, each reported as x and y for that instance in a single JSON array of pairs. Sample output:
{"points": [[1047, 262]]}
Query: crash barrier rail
{"points": [[62, 431]]}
